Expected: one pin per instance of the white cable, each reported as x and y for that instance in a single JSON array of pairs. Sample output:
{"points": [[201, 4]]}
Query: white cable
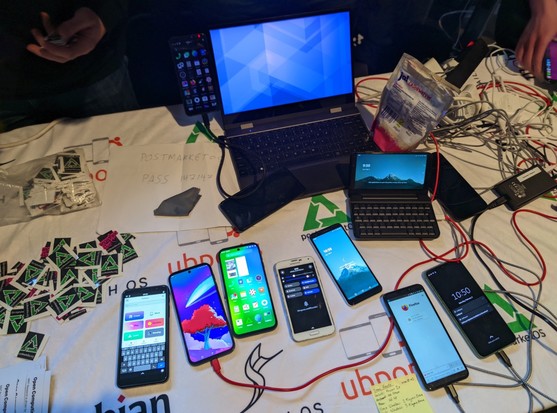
{"points": [[32, 137]]}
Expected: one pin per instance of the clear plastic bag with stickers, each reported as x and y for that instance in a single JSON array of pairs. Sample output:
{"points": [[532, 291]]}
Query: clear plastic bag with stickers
{"points": [[53, 185], [411, 105]]}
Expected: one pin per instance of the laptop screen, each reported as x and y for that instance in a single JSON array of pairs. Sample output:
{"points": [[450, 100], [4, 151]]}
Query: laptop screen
{"points": [[388, 171], [282, 62]]}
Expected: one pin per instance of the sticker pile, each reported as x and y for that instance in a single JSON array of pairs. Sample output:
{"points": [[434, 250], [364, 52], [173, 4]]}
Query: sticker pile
{"points": [[65, 282]]}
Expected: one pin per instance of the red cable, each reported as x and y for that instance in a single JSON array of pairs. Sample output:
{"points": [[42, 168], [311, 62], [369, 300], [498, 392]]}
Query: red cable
{"points": [[438, 155]]}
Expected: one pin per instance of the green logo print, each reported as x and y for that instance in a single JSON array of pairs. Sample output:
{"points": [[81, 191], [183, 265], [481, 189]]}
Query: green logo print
{"points": [[335, 214], [520, 323]]}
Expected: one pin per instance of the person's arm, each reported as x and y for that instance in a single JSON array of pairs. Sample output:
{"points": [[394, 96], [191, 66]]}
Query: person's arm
{"points": [[93, 20], [538, 33], [81, 33]]}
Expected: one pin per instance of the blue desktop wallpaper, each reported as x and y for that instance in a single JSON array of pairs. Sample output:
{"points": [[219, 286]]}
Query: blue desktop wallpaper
{"points": [[277, 63]]}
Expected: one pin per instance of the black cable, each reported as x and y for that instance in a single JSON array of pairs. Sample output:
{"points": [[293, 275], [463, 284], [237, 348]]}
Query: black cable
{"points": [[496, 281], [223, 144]]}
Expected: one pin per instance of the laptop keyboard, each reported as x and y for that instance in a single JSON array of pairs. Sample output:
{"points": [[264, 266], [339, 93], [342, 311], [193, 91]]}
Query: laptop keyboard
{"points": [[393, 221], [303, 143]]}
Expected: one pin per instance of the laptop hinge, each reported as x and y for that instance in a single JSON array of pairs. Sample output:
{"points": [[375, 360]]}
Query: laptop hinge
{"points": [[335, 110], [246, 126]]}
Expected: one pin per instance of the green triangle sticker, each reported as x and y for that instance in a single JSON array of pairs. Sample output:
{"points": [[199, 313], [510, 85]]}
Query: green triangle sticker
{"points": [[336, 215]]}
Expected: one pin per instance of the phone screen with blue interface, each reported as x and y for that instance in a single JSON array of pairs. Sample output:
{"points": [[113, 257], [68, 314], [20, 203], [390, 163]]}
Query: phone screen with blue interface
{"points": [[201, 316], [352, 275], [428, 343]]}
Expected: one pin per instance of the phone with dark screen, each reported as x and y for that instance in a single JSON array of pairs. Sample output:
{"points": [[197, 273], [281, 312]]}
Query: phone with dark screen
{"points": [[352, 275], [457, 197], [143, 340], [194, 69], [469, 308], [246, 289], [202, 320], [426, 340]]}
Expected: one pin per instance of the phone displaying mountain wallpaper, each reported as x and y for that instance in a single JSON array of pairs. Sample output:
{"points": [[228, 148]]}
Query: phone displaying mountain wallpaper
{"points": [[390, 171]]}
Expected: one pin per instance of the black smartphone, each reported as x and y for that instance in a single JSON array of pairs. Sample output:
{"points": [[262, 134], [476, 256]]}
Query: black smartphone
{"points": [[143, 339], [550, 62], [194, 69], [255, 202], [246, 289], [469, 308], [201, 317], [302, 295], [352, 275], [457, 197], [427, 342]]}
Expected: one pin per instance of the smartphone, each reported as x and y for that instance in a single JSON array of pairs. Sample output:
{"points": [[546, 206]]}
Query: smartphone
{"points": [[143, 339], [303, 298], [195, 72], [246, 289], [457, 197], [201, 317], [469, 308], [259, 200], [550, 62], [352, 275], [436, 359]]}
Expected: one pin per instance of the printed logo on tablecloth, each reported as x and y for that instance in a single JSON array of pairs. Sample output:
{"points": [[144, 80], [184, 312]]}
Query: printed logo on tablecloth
{"points": [[315, 218]]}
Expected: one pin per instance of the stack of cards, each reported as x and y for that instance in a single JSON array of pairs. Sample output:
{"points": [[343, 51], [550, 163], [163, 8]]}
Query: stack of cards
{"points": [[64, 282]]}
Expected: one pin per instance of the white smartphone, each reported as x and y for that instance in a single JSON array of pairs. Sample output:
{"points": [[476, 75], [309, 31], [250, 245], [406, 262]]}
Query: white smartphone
{"points": [[302, 295]]}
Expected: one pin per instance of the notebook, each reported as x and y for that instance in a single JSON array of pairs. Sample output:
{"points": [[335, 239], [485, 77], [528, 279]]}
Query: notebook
{"points": [[284, 72], [388, 197]]}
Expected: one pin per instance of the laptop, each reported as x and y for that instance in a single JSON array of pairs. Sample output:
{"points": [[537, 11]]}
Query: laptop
{"points": [[293, 72], [388, 197]]}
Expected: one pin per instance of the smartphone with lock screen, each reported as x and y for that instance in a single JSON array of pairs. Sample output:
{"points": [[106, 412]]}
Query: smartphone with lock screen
{"points": [[201, 316], [193, 65], [303, 298], [143, 339], [352, 275], [246, 289], [469, 308], [427, 342]]}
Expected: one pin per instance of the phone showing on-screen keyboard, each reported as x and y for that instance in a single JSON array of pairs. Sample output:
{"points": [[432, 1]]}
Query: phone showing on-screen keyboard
{"points": [[143, 338]]}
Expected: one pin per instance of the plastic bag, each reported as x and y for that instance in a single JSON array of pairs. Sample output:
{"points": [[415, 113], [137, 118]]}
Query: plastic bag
{"points": [[53, 185], [411, 105]]}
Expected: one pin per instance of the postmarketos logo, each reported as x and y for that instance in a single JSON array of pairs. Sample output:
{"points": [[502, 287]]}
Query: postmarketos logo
{"points": [[323, 213]]}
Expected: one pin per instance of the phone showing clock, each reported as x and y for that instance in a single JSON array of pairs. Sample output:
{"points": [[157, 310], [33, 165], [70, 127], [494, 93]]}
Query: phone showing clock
{"points": [[469, 308]]}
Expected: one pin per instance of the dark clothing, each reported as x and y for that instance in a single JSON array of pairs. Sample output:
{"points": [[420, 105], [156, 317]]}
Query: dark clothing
{"points": [[26, 76]]}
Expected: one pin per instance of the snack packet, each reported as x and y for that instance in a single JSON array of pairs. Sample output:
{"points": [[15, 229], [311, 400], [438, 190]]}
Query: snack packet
{"points": [[411, 105]]}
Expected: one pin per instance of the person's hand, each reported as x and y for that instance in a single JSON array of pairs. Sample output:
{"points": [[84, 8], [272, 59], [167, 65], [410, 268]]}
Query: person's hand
{"points": [[538, 33], [79, 35]]}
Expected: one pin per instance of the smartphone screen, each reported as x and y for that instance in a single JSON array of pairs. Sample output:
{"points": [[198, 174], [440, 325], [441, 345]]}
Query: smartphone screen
{"points": [[345, 263], [143, 344], [458, 198], [550, 62], [305, 304], [469, 307], [428, 344], [193, 67], [246, 289], [201, 316]]}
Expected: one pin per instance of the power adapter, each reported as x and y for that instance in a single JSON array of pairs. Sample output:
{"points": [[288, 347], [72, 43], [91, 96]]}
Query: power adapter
{"points": [[525, 186]]}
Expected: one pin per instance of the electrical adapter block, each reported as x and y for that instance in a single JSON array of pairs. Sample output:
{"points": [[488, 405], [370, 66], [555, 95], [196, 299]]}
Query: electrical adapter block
{"points": [[525, 186]]}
